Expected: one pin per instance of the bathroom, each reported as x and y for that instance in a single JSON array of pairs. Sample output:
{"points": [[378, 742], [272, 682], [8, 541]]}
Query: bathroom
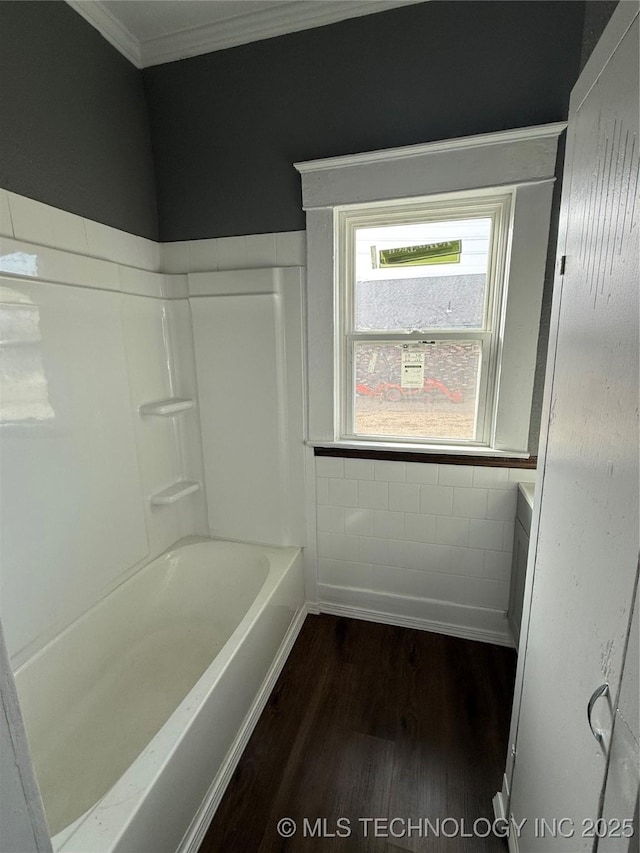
{"points": [[167, 230]]}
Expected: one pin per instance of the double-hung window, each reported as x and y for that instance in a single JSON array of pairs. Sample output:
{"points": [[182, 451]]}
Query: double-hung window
{"points": [[425, 275], [419, 295]]}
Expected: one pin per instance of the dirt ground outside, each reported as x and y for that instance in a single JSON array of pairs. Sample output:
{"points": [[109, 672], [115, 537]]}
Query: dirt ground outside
{"points": [[424, 417]]}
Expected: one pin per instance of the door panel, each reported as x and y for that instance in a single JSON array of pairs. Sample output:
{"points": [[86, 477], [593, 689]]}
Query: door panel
{"points": [[587, 547], [623, 774]]}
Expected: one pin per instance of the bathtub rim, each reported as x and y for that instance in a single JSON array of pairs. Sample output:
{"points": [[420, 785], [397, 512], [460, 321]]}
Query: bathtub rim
{"points": [[130, 575], [158, 752]]}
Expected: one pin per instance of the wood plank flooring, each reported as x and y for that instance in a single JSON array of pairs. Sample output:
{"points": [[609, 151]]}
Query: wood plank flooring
{"points": [[373, 721]]}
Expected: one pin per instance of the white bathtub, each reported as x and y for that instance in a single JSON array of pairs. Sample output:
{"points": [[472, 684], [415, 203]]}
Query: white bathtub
{"points": [[138, 712]]}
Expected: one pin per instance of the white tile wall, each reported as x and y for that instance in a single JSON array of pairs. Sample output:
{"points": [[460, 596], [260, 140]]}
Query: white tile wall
{"points": [[425, 474], [40, 224], [404, 497], [291, 248], [358, 469], [370, 494], [32, 222], [6, 225], [57, 266], [252, 251], [231, 252], [390, 472], [436, 500], [260, 251], [69, 232], [101, 241], [359, 521], [441, 532], [175, 257]]}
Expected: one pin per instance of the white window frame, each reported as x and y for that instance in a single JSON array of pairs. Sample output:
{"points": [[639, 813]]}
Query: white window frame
{"points": [[495, 205], [519, 163]]}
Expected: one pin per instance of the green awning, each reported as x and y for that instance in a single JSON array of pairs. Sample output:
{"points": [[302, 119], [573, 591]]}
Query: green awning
{"points": [[420, 256]]}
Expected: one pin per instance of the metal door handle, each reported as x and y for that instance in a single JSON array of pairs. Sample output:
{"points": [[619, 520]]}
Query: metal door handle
{"points": [[603, 690]]}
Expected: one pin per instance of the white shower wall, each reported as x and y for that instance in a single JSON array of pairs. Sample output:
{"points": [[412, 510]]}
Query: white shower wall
{"points": [[159, 346], [114, 329], [88, 335], [248, 332]]}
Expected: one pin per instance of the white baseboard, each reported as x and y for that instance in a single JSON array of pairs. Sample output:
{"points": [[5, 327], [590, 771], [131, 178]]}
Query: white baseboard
{"points": [[196, 832], [388, 617]]}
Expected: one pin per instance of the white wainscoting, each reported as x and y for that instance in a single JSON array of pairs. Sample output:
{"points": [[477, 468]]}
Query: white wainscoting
{"points": [[253, 251], [417, 544]]}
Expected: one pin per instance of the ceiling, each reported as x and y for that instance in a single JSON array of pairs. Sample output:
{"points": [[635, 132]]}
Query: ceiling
{"points": [[150, 32]]}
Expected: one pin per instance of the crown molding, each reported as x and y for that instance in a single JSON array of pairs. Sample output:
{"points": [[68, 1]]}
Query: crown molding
{"points": [[110, 28], [291, 16]]}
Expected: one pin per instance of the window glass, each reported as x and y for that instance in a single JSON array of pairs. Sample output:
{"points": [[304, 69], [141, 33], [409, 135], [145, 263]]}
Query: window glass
{"points": [[418, 389], [422, 275]]}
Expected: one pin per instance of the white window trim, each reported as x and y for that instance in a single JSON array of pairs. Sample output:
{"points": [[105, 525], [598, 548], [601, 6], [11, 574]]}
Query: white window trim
{"points": [[496, 205], [521, 161]]}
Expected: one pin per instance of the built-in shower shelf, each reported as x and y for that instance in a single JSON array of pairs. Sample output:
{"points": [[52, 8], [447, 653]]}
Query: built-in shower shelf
{"points": [[170, 406], [175, 492]]}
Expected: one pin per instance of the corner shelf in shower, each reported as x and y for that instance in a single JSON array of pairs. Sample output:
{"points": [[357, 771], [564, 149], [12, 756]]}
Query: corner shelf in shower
{"points": [[170, 406], [174, 492]]}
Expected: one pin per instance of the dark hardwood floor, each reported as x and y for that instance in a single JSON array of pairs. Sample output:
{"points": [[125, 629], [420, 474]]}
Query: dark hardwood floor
{"points": [[373, 721]]}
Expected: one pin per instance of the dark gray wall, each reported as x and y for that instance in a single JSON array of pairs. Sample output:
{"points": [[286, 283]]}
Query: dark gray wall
{"points": [[596, 17], [73, 122], [227, 126]]}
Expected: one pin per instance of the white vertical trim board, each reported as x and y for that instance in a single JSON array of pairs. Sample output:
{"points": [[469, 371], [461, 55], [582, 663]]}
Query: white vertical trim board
{"points": [[321, 353], [521, 324]]}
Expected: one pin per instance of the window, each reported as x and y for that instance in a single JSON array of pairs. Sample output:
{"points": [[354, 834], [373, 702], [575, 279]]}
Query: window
{"points": [[420, 294], [425, 273]]}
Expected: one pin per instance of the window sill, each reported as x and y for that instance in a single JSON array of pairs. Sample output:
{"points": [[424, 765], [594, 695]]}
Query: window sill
{"points": [[431, 454]]}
